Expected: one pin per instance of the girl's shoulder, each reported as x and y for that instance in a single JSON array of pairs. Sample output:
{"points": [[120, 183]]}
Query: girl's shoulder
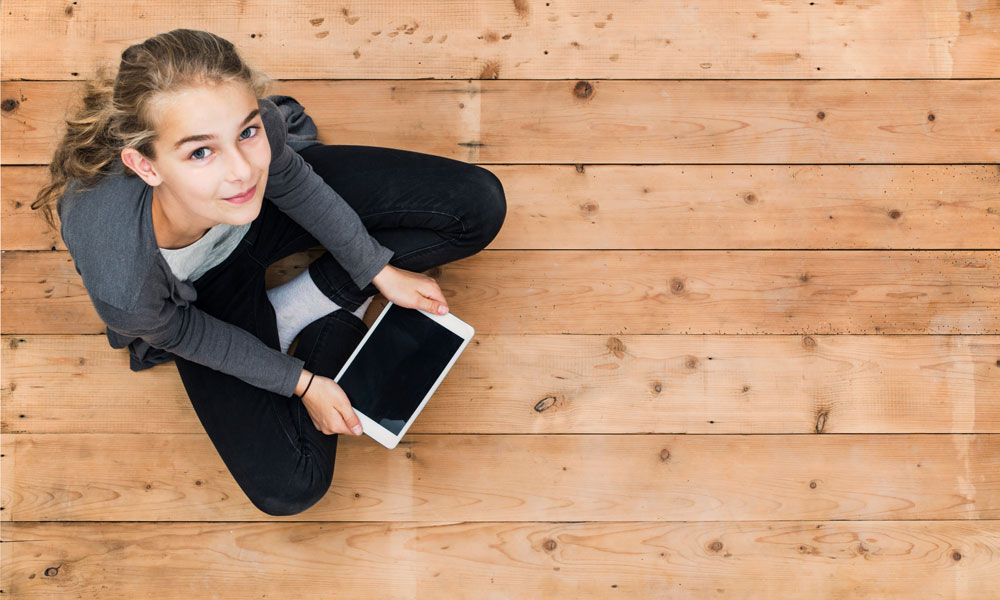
{"points": [[104, 227], [108, 203], [289, 121]]}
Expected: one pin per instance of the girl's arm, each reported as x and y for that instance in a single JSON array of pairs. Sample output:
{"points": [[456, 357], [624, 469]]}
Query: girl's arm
{"points": [[298, 191], [191, 333]]}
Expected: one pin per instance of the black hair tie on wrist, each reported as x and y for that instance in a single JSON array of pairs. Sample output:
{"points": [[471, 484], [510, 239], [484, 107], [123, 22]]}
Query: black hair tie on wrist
{"points": [[303, 394]]}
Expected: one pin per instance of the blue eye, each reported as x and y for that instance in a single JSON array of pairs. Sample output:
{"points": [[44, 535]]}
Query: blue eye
{"points": [[254, 127]]}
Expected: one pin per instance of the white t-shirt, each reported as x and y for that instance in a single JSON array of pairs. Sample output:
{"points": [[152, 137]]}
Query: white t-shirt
{"points": [[194, 260]]}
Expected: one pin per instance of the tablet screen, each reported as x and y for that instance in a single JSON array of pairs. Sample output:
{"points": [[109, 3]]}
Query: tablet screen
{"points": [[397, 366]]}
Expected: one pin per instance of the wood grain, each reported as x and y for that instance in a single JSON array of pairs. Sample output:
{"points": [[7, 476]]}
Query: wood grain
{"points": [[522, 40], [610, 121], [576, 383], [631, 292], [795, 560], [668, 207], [569, 477]]}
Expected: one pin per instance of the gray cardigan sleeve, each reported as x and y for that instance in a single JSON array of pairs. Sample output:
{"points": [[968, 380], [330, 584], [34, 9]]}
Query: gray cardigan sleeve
{"points": [[132, 293], [193, 334], [298, 191]]}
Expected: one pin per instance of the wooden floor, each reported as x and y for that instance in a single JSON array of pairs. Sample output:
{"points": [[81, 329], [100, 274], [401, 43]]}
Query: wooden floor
{"points": [[739, 336]]}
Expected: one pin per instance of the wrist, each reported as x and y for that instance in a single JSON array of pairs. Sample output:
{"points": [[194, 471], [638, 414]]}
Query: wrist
{"points": [[381, 275], [304, 378]]}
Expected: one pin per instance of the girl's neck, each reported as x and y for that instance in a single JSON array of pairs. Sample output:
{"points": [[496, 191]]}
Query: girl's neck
{"points": [[167, 236]]}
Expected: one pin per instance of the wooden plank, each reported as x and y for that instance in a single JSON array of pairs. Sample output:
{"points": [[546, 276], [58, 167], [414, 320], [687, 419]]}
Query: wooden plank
{"points": [[577, 38], [23, 228], [661, 207], [8, 450], [610, 121], [817, 559], [577, 384], [166, 477], [631, 292]]}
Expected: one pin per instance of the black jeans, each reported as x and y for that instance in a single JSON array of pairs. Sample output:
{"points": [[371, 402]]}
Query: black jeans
{"points": [[429, 210]]}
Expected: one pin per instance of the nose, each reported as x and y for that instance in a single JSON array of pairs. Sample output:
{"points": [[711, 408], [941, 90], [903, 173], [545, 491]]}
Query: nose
{"points": [[240, 169]]}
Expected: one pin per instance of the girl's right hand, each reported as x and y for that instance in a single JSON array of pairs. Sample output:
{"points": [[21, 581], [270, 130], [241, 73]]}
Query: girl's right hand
{"points": [[329, 408]]}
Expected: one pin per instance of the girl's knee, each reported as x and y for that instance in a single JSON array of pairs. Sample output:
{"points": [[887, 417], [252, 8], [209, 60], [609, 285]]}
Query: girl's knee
{"points": [[491, 205], [292, 498]]}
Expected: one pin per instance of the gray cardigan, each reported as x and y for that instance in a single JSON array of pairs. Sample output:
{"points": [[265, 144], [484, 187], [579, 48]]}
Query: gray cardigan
{"points": [[108, 229]]}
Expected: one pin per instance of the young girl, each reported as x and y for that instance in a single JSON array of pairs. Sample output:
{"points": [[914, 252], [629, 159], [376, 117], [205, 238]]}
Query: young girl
{"points": [[178, 183]]}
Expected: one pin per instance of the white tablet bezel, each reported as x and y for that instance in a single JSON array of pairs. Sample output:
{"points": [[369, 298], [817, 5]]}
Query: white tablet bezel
{"points": [[369, 426]]}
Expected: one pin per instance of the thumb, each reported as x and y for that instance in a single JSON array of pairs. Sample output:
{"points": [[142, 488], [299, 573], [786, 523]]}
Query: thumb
{"points": [[431, 306], [350, 418]]}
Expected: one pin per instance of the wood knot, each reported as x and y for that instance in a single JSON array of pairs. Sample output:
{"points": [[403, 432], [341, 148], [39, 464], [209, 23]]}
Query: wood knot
{"points": [[676, 285], [691, 362], [821, 115], [821, 422], [804, 277], [549, 545], [956, 556], [579, 169], [657, 387], [664, 455], [716, 546], [812, 484], [9, 104], [583, 90], [808, 342], [545, 403], [616, 347], [930, 117], [51, 571], [750, 198], [894, 213], [589, 208], [491, 70], [746, 388]]}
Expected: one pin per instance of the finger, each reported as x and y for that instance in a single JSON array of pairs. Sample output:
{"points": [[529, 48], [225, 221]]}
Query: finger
{"points": [[431, 306], [351, 419], [433, 293]]}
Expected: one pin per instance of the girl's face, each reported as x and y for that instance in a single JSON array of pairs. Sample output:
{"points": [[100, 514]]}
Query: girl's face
{"points": [[210, 149]]}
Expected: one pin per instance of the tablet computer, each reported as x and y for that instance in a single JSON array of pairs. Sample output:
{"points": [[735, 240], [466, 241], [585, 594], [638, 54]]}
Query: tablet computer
{"points": [[397, 366]]}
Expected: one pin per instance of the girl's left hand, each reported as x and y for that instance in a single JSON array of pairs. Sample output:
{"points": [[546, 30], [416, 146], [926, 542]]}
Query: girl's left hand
{"points": [[411, 290]]}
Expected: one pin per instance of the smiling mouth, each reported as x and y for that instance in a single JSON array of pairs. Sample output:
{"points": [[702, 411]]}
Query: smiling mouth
{"points": [[242, 197]]}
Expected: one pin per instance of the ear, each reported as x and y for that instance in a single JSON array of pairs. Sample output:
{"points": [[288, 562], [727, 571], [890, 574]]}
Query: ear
{"points": [[142, 166]]}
